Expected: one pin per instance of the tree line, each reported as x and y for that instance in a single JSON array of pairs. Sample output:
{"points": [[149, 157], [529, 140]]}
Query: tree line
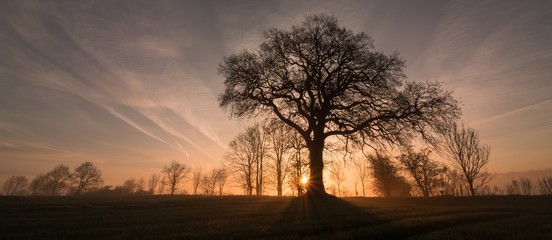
{"points": [[273, 154], [87, 179]]}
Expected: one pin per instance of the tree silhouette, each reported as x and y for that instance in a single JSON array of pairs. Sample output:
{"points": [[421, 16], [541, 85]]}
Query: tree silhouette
{"points": [[280, 145], [85, 177], [468, 155], [38, 185], [387, 181], [175, 172], [361, 172], [337, 175], [153, 181], [298, 163], [324, 81], [245, 158], [197, 173], [15, 185], [56, 179], [427, 174], [545, 185]]}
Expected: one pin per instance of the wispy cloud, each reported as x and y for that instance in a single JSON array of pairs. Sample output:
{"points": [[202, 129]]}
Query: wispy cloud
{"points": [[136, 82]]}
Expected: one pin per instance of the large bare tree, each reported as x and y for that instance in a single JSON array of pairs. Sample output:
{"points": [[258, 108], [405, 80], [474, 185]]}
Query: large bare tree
{"points": [[175, 172], [463, 149], [324, 80], [85, 177]]}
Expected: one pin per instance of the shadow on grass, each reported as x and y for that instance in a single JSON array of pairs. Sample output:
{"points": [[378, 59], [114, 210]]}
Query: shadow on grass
{"points": [[327, 217]]}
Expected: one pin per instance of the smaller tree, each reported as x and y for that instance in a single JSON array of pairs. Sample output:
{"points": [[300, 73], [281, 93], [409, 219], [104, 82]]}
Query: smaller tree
{"points": [[427, 174], [15, 185], [85, 177], [520, 186], [221, 177], [387, 180], [454, 185], [545, 185], [337, 174], [361, 171], [526, 186], [129, 186], [245, 159], [38, 185], [196, 179], [57, 180], [298, 164], [208, 184], [468, 155], [279, 136], [153, 181], [175, 172], [215, 179]]}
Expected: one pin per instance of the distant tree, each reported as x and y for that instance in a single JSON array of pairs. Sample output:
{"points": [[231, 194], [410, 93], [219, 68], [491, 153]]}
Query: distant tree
{"points": [[337, 175], [497, 191], [325, 81], [259, 142], [57, 180], [141, 186], [245, 159], [280, 146], [196, 178], [221, 178], [129, 186], [85, 177], [520, 186], [153, 182], [162, 185], [361, 173], [38, 186], [463, 149], [526, 186], [15, 185], [427, 174], [208, 183], [387, 181], [175, 172], [545, 185], [455, 185]]}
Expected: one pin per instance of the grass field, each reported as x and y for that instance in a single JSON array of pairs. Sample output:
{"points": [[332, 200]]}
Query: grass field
{"points": [[237, 217]]}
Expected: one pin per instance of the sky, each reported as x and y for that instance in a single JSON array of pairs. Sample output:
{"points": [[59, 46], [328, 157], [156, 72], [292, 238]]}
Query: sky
{"points": [[133, 85]]}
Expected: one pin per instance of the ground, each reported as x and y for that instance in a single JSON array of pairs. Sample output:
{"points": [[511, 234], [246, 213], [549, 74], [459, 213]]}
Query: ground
{"points": [[239, 217]]}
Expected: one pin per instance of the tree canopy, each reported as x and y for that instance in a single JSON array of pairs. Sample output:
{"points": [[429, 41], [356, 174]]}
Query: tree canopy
{"points": [[324, 80]]}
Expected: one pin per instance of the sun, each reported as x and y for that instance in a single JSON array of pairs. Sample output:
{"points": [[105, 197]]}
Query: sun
{"points": [[304, 180]]}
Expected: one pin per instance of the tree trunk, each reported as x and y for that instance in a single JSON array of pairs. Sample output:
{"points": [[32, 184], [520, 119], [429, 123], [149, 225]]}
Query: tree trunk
{"points": [[472, 189], [316, 181], [279, 180]]}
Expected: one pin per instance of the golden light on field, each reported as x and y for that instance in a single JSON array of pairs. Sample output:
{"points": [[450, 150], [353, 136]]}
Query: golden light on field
{"points": [[304, 180]]}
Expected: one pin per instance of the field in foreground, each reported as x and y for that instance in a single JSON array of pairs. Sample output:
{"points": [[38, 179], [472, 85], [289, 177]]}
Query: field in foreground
{"points": [[236, 217]]}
